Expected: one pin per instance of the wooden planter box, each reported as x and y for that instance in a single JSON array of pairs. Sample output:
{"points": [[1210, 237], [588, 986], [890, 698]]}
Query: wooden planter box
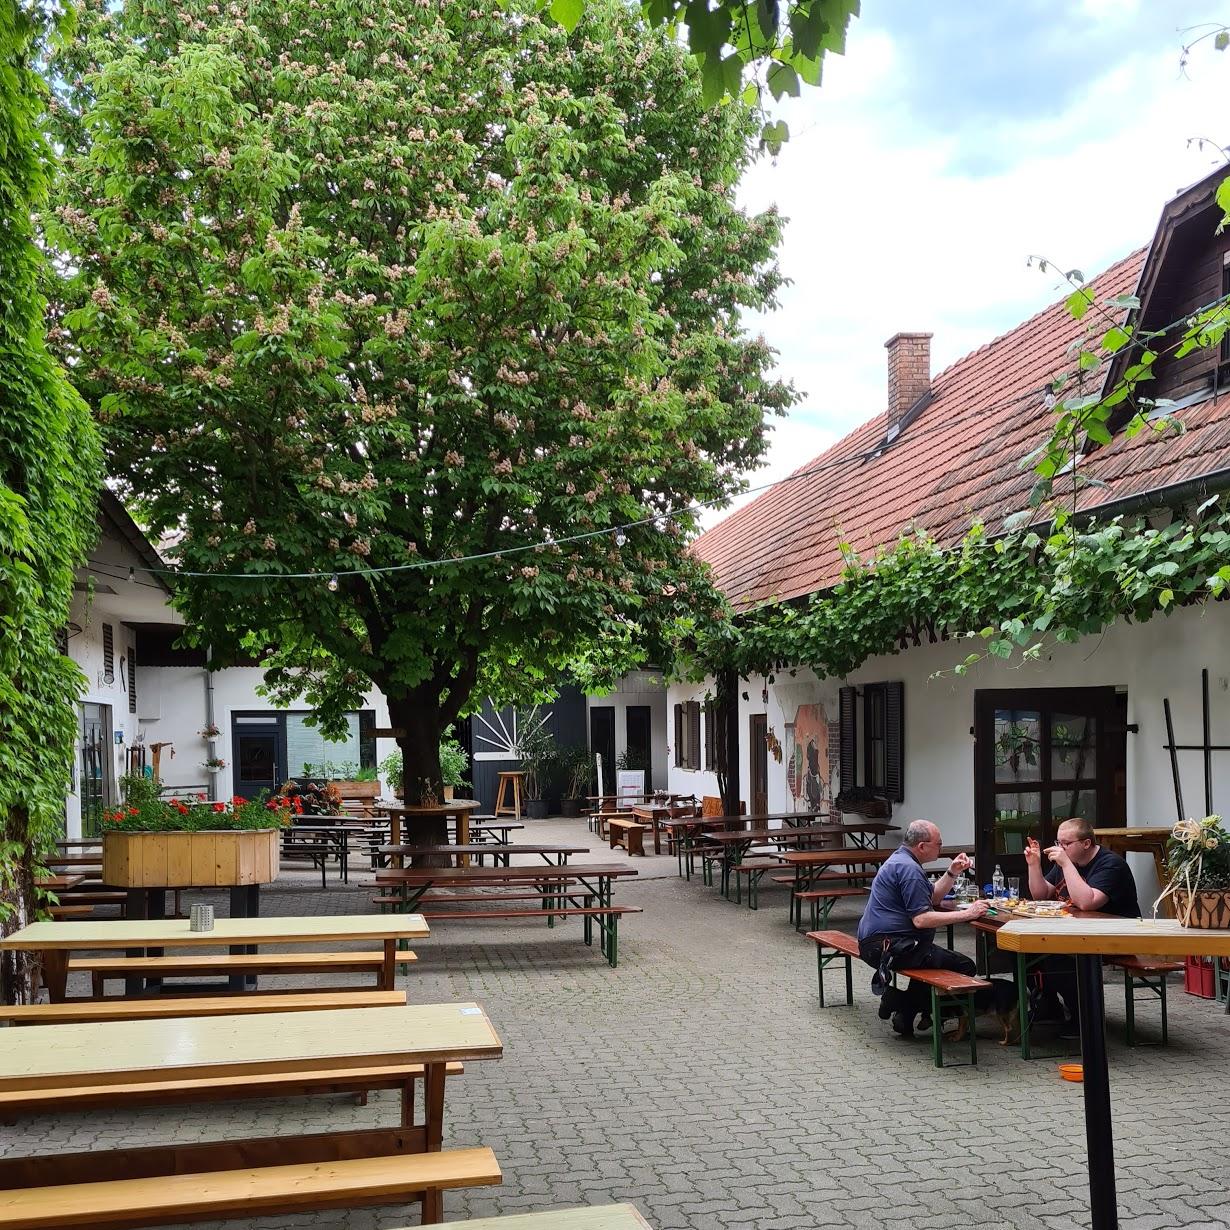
{"points": [[206, 859]]}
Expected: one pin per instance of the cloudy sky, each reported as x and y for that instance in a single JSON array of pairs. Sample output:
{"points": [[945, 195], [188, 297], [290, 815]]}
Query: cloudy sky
{"points": [[955, 139]]}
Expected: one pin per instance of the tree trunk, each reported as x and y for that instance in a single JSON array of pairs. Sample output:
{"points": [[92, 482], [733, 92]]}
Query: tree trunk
{"points": [[17, 908], [419, 720], [727, 749]]}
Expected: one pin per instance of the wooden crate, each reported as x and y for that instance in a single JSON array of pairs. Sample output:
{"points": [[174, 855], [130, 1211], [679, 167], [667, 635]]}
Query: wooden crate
{"points": [[209, 858]]}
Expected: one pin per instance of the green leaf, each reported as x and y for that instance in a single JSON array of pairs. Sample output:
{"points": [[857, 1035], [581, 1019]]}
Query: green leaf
{"points": [[782, 80], [1165, 598], [1078, 303], [568, 12], [1222, 41], [1115, 339]]}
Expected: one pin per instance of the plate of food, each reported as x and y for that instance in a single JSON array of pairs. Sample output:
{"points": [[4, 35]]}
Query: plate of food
{"points": [[1032, 909]]}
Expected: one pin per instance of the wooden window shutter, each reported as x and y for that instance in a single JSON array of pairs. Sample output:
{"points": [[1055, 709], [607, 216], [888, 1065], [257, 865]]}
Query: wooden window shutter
{"points": [[108, 653], [710, 735], [132, 679], [679, 736], [693, 734], [894, 741], [848, 721]]}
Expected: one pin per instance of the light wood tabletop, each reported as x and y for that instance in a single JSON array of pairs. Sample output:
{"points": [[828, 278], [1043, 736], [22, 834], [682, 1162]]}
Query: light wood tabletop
{"points": [[175, 932], [186, 1048], [594, 1217], [1163, 937]]}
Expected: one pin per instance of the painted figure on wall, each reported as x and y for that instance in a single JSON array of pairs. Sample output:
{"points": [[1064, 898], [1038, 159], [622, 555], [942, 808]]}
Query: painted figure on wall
{"points": [[808, 771]]}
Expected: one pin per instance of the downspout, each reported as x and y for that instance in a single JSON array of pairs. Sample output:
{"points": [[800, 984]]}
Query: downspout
{"points": [[209, 714]]}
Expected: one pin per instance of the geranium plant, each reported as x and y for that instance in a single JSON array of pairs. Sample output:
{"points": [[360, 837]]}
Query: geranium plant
{"points": [[145, 812], [209, 732], [215, 762]]}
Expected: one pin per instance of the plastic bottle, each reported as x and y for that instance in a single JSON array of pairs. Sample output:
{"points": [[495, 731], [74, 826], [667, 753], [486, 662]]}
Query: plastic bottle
{"points": [[998, 882]]}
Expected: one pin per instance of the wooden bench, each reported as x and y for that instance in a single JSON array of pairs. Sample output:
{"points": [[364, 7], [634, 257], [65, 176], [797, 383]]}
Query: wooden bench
{"points": [[220, 1088], [590, 1217], [70, 911], [165, 1184], [755, 869], [607, 917], [158, 1006], [833, 946], [1150, 973], [628, 833], [822, 901], [948, 987], [229, 964], [92, 897]]}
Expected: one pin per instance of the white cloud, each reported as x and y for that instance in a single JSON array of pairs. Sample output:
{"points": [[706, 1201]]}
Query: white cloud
{"points": [[896, 227]]}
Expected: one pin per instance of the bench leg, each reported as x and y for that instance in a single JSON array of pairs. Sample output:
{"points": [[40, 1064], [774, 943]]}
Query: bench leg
{"points": [[849, 979], [1130, 1005], [1162, 993], [612, 935], [937, 1032]]}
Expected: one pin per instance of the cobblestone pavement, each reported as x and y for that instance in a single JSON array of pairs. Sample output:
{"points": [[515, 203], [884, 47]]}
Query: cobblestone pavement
{"points": [[701, 1081]]}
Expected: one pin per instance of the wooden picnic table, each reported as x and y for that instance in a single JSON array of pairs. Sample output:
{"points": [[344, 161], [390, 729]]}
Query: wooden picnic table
{"points": [[55, 940], [58, 883], [808, 864], [1088, 940], [147, 1052], [1149, 840], [736, 843], [458, 810], [501, 853]]}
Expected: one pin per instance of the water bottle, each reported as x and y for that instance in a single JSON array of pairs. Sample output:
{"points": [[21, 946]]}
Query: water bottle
{"points": [[999, 883]]}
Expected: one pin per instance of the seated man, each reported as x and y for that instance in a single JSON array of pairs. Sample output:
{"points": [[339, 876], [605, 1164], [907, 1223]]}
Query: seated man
{"points": [[1090, 877], [898, 925]]}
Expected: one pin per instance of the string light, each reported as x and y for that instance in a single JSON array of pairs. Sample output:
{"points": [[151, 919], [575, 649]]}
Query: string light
{"points": [[332, 584], [132, 574], [620, 538]]}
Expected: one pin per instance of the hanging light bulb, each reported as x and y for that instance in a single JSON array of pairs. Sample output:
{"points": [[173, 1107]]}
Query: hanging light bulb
{"points": [[620, 538], [132, 573], [333, 584]]}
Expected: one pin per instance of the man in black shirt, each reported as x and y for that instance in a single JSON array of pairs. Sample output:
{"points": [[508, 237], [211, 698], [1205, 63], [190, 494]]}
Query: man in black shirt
{"points": [[1091, 878]]}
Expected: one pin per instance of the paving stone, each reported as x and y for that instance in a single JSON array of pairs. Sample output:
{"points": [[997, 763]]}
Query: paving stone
{"points": [[701, 1081]]}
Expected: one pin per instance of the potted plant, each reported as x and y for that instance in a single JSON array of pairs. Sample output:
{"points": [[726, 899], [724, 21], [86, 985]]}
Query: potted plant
{"points": [[575, 773], [539, 757], [1198, 856], [209, 732], [215, 764], [151, 842], [453, 764]]}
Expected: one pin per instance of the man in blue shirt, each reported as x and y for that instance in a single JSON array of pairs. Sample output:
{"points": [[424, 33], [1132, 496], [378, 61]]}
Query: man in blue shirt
{"points": [[898, 925]]}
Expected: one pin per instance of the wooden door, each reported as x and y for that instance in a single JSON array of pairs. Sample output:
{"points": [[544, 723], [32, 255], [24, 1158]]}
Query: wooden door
{"points": [[602, 743], [640, 740], [758, 752], [1043, 756]]}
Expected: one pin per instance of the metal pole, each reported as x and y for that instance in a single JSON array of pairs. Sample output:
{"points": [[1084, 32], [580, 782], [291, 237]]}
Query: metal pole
{"points": [[1208, 749], [1174, 760], [1103, 1208]]}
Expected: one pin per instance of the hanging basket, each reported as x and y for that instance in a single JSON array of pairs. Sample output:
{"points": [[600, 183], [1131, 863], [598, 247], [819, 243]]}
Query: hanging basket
{"points": [[1207, 909]]}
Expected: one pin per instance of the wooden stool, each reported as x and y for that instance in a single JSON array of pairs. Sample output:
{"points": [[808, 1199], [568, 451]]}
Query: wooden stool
{"points": [[502, 806]]}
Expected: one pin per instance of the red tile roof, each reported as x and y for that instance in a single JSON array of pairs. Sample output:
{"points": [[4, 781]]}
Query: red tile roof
{"points": [[957, 462]]}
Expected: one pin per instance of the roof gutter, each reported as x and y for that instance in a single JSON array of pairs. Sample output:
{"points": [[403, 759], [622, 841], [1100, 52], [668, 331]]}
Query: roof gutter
{"points": [[1176, 493]]}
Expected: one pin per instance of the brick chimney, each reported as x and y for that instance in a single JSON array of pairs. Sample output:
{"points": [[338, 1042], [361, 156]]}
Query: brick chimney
{"points": [[909, 374]]}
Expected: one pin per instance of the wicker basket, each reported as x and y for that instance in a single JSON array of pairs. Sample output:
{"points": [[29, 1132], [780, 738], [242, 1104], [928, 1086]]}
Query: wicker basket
{"points": [[1206, 909]]}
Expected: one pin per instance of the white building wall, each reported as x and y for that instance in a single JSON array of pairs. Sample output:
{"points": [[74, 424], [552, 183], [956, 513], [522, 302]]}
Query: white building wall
{"points": [[638, 688], [702, 781]]}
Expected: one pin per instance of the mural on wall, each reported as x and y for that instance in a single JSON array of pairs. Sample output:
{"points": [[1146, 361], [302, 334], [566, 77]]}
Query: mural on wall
{"points": [[809, 760]]}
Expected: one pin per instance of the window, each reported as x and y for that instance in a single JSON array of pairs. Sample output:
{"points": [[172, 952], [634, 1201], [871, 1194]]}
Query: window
{"points": [[873, 717], [687, 735], [306, 745]]}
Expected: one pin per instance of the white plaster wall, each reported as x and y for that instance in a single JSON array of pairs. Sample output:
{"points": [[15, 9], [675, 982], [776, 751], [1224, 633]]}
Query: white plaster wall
{"points": [[639, 688], [699, 782]]}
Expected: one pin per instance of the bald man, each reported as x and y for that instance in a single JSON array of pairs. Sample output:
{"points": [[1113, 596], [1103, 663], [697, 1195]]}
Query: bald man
{"points": [[898, 925]]}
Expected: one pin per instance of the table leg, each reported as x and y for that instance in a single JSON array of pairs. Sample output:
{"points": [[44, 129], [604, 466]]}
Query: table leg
{"points": [[55, 973], [433, 1111], [388, 972], [1103, 1206], [245, 903], [144, 903], [463, 835]]}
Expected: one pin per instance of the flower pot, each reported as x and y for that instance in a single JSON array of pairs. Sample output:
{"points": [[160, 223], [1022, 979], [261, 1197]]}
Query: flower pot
{"points": [[536, 809], [448, 793], [570, 807], [1208, 909], [202, 859]]}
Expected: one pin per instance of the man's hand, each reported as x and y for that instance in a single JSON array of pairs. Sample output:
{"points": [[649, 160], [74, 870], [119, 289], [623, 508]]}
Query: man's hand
{"points": [[1033, 852], [976, 909], [961, 863], [1059, 856]]}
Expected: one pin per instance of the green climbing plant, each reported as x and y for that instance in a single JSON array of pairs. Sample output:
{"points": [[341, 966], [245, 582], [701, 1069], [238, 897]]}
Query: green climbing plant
{"points": [[49, 476]]}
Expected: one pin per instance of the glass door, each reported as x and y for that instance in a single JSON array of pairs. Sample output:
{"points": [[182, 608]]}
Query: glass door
{"points": [[1043, 756], [97, 776], [260, 755]]}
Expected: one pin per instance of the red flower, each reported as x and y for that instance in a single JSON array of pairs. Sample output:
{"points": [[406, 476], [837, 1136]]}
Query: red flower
{"points": [[237, 801], [134, 811], [200, 798], [219, 807]]}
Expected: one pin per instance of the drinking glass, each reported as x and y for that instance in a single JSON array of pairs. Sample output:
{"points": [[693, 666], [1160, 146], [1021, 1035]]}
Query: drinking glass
{"points": [[1014, 887]]}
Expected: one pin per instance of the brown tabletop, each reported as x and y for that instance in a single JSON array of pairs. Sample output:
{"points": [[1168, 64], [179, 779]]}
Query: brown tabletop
{"points": [[498, 850], [459, 809], [58, 883]]}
